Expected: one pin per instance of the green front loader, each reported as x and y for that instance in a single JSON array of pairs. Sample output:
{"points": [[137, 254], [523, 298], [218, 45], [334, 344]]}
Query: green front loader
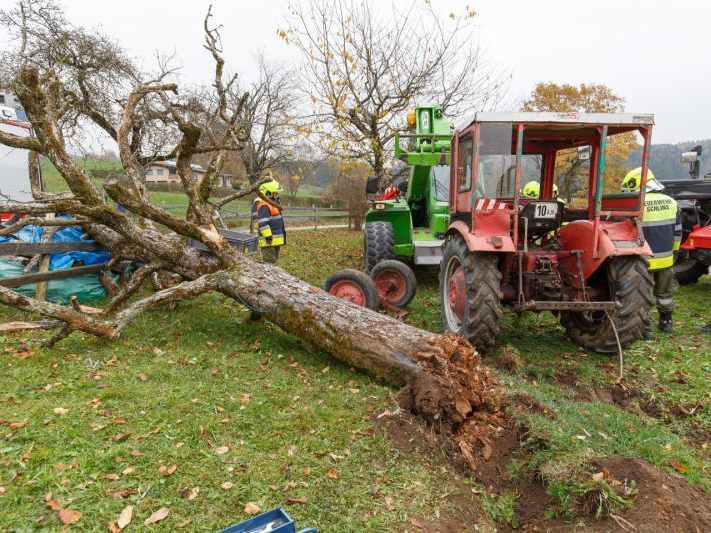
{"points": [[409, 221]]}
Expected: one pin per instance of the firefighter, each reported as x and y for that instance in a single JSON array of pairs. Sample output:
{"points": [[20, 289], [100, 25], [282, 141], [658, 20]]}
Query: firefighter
{"points": [[269, 221], [531, 190], [661, 225]]}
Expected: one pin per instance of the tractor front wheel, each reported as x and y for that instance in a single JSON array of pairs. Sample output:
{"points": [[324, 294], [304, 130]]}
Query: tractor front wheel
{"points": [[379, 243], [355, 287], [470, 293], [396, 282], [631, 285]]}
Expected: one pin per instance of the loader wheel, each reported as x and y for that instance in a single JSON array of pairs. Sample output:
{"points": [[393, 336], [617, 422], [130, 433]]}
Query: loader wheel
{"points": [[354, 286], [378, 244], [630, 284], [396, 282], [470, 293], [689, 270]]}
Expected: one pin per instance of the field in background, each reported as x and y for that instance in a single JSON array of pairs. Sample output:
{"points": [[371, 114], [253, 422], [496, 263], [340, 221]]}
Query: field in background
{"points": [[107, 420]]}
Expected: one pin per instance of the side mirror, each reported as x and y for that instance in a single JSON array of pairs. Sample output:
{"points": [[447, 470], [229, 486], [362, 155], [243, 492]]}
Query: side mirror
{"points": [[371, 186], [689, 157], [583, 153]]}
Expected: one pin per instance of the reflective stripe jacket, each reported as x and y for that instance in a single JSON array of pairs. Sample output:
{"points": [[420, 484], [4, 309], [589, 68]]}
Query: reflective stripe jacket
{"points": [[269, 223], [661, 224]]}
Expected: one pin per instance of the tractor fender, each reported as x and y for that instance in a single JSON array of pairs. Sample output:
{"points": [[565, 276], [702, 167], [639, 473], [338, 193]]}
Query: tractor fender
{"points": [[614, 239], [700, 237], [489, 234]]}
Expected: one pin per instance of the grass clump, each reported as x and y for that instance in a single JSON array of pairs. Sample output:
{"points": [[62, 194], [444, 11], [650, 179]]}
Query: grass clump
{"points": [[501, 507]]}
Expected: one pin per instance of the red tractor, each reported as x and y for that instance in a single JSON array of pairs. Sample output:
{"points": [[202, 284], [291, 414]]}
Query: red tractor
{"points": [[582, 259]]}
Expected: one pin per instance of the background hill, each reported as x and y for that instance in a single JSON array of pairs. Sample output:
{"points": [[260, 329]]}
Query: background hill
{"points": [[665, 159]]}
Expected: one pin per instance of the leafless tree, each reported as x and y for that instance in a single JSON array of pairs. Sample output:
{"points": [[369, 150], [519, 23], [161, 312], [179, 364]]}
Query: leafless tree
{"points": [[364, 64], [269, 118], [54, 61]]}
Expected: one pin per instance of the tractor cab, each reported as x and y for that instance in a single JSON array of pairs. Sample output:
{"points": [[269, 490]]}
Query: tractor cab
{"points": [[539, 222]]}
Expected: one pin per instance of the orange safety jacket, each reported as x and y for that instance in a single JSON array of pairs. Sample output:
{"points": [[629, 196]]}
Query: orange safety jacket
{"points": [[269, 222]]}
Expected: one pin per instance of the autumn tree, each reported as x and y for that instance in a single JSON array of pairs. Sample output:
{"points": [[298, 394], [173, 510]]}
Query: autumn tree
{"points": [[348, 189], [66, 76], [268, 118], [571, 170], [364, 64]]}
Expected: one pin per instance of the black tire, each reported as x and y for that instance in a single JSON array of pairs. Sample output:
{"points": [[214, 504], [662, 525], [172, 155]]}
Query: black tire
{"points": [[368, 288], [391, 267], [482, 309], [689, 270], [630, 284], [378, 244]]}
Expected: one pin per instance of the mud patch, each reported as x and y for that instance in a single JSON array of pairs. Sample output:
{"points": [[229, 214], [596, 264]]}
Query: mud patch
{"points": [[665, 502]]}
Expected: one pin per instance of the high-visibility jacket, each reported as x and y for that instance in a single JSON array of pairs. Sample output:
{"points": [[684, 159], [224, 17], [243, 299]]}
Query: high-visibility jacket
{"points": [[269, 222], [661, 224]]}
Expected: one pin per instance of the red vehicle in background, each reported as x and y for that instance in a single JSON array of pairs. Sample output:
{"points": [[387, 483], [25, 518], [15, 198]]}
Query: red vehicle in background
{"points": [[14, 167], [582, 259], [694, 199]]}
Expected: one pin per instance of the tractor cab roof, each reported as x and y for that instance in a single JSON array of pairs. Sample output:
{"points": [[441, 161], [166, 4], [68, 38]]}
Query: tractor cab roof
{"points": [[563, 129]]}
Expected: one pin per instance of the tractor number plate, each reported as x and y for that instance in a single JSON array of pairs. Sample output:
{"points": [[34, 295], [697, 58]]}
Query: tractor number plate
{"points": [[546, 210]]}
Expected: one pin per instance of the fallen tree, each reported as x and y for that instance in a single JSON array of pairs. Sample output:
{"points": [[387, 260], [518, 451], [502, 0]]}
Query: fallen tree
{"points": [[69, 80]]}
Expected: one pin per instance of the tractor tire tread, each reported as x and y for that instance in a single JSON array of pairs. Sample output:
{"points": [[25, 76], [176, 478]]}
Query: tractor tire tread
{"points": [[379, 243]]}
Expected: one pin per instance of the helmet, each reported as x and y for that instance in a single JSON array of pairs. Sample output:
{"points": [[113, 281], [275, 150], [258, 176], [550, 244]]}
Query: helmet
{"points": [[270, 187], [633, 179], [531, 190], [555, 191]]}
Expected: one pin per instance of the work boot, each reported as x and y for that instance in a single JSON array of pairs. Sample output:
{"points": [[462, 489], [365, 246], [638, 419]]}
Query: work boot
{"points": [[706, 328], [665, 322], [648, 335]]}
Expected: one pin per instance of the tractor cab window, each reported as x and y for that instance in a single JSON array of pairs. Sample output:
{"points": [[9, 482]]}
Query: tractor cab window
{"points": [[496, 172], [441, 182], [465, 155]]}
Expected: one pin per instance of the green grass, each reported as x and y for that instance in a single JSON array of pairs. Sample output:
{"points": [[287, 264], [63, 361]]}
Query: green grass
{"points": [[203, 361]]}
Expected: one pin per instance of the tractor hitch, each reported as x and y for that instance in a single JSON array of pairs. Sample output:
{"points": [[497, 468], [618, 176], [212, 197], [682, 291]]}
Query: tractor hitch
{"points": [[542, 305]]}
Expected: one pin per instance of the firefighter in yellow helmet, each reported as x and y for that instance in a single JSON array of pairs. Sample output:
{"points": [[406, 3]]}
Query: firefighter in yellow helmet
{"points": [[661, 225], [531, 190], [268, 220]]}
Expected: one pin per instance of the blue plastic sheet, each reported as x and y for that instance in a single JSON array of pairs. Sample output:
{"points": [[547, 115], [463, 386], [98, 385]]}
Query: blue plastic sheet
{"points": [[85, 288]]}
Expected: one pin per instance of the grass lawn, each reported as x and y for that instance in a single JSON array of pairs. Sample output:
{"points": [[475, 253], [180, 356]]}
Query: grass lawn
{"points": [[247, 413]]}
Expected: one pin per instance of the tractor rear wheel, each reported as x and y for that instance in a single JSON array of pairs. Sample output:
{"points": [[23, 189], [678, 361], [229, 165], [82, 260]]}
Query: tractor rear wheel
{"points": [[470, 293], [689, 270], [354, 286], [379, 243], [630, 284]]}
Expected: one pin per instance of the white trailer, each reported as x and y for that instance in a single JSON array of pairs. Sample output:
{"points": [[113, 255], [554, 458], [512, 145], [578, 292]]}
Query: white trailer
{"points": [[14, 167]]}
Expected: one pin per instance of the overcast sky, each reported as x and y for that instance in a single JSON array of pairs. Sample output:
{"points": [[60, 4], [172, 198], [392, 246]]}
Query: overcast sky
{"points": [[653, 53]]}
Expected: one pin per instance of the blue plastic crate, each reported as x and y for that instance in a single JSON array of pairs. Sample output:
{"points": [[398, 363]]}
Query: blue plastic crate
{"points": [[279, 519]]}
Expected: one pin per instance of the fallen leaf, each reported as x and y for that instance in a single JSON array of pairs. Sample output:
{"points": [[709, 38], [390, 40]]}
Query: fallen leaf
{"points": [[677, 466], [291, 451], [60, 411], [296, 500], [142, 377], [251, 508], [124, 493], [54, 504], [222, 450], [96, 426], [183, 524], [159, 515], [219, 409], [136, 453], [18, 425], [416, 523], [125, 517], [129, 470], [190, 494], [170, 470], [598, 476], [158, 351], [227, 485], [67, 516], [112, 477], [332, 474]]}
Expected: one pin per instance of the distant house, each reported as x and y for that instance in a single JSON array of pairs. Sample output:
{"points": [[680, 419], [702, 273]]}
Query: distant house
{"points": [[165, 172], [10, 100]]}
